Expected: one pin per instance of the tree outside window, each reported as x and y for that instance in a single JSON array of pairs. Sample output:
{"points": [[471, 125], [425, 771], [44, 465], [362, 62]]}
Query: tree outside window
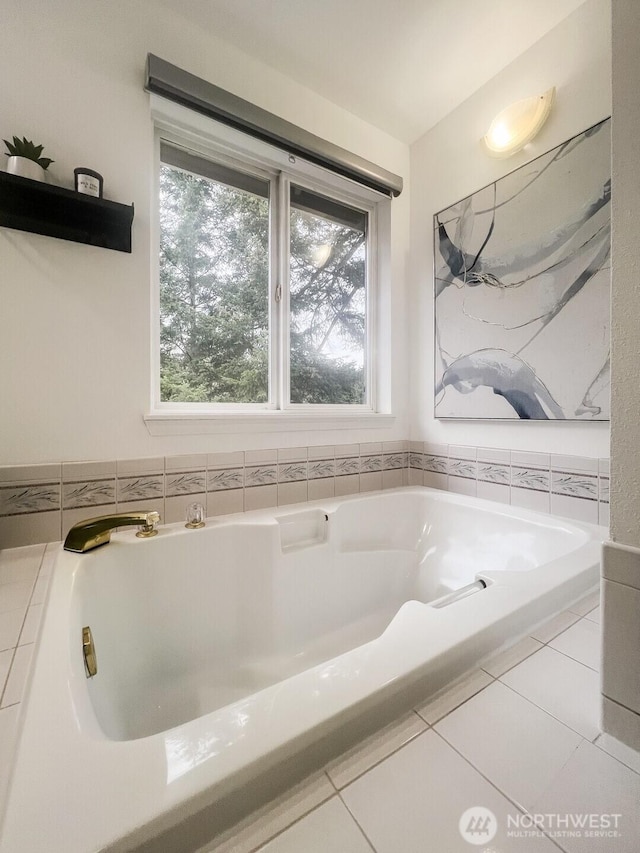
{"points": [[215, 257]]}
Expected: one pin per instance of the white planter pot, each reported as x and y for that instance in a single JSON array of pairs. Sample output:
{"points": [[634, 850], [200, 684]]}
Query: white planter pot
{"points": [[25, 168]]}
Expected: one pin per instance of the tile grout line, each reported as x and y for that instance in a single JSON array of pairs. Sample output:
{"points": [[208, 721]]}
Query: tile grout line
{"points": [[357, 823], [331, 782], [17, 646], [498, 678], [4, 686], [542, 645], [517, 805], [503, 793], [544, 711], [464, 701], [384, 758], [429, 727], [564, 630], [495, 678], [338, 791], [517, 663], [229, 834], [513, 690], [619, 760], [288, 826]]}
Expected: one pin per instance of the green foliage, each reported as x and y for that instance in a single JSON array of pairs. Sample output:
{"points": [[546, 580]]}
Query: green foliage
{"points": [[25, 148], [213, 291], [214, 299], [327, 311]]}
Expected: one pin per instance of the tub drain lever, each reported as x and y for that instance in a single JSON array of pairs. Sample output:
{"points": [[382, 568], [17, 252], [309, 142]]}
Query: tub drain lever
{"points": [[89, 652]]}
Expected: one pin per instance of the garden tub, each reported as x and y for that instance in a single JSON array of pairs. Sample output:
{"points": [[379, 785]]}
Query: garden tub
{"points": [[226, 654]]}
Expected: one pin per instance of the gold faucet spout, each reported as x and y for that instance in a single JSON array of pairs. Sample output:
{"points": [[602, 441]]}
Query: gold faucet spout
{"points": [[93, 532]]}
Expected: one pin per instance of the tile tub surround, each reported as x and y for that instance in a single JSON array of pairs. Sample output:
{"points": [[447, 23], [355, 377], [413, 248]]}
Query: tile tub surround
{"points": [[39, 503], [569, 486]]}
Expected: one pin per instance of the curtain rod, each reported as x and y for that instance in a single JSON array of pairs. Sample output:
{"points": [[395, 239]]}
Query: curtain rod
{"points": [[184, 88]]}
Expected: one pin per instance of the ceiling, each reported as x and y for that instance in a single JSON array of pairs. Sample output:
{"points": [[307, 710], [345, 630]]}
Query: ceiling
{"points": [[401, 65]]}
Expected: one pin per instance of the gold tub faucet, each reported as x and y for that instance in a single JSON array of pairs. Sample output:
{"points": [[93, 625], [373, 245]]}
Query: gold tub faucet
{"points": [[93, 532]]}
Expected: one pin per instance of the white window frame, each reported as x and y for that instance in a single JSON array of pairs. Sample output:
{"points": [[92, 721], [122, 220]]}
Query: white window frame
{"points": [[183, 127]]}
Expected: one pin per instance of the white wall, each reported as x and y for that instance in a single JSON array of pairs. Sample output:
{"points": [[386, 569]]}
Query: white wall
{"points": [[75, 320], [449, 163], [625, 301], [621, 557]]}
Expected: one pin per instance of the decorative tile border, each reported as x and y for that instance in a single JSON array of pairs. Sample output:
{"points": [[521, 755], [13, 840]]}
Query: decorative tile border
{"points": [[416, 460], [184, 483], [40, 494], [20, 499], [435, 463], [370, 463], [466, 468], [530, 478], [224, 479], [140, 488], [88, 493], [394, 461], [347, 465], [490, 473], [292, 472], [261, 475], [572, 486], [321, 469]]}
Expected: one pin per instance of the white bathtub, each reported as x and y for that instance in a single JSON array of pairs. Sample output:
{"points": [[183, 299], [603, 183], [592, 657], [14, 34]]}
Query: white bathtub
{"points": [[225, 651]]}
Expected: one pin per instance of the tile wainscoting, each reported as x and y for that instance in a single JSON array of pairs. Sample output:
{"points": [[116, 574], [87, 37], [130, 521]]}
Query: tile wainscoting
{"points": [[570, 486], [621, 604], [39, 503]]}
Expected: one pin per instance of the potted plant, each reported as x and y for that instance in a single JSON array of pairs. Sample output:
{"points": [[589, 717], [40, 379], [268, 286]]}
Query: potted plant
{"points": [[25, 159]]}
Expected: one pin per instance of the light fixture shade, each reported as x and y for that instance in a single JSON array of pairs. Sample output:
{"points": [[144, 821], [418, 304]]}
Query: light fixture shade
{"points": [[518, 124]]}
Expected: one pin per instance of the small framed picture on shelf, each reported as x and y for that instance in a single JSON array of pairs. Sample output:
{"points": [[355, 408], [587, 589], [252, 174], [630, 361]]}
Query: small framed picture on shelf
{"points": [[88, 182]]}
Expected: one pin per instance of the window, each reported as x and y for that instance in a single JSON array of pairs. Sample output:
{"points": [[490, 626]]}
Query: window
{"points": [[214, 282], [327, 300], [267, 283]]}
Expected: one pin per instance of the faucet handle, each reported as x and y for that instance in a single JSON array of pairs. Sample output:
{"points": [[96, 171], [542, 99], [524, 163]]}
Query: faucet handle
{"points": [[195, 516], [148, 529]]}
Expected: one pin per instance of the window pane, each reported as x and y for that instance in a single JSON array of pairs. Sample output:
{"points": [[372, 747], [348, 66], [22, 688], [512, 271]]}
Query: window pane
{"points": [[327, 300], [214, 286]]}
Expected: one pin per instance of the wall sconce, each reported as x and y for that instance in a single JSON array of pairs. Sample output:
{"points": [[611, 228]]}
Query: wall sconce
{"points": [[518, 124]]}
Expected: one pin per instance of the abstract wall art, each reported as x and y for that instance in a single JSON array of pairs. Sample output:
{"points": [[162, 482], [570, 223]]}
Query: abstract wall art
{"points": [[522, 286]]}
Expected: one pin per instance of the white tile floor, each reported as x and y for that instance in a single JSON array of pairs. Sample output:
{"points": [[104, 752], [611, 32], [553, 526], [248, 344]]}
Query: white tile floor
{"points": [[519, 737], [24, 575]]}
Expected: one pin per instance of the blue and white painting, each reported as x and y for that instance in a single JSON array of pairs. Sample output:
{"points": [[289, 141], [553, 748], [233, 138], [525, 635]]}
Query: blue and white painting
{"points": [[522, 281]]}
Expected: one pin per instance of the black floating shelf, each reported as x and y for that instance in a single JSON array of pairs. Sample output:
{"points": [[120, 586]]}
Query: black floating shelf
{"points": [[57, 212]]}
